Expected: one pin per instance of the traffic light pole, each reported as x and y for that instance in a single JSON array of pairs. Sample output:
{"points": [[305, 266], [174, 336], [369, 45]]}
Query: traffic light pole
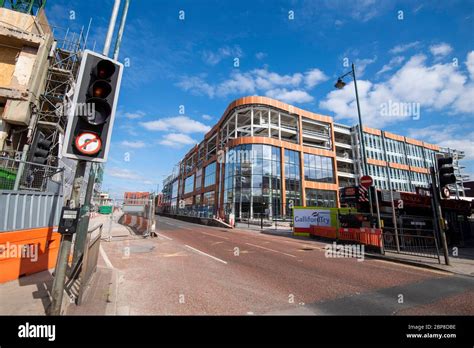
{"points": [[439, 215], [65, 247], [83, 228]]}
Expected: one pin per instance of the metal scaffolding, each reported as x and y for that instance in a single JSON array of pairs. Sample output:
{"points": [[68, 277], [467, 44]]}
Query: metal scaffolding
{"points": [[50, 117]]}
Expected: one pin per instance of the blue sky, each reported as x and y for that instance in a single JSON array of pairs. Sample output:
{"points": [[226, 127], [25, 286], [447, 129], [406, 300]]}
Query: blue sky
{"points": [[408, 52]]}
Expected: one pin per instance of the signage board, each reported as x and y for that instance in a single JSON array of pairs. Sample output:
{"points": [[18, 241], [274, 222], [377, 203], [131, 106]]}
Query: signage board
{"points": [[366, 181], [304, 218]]}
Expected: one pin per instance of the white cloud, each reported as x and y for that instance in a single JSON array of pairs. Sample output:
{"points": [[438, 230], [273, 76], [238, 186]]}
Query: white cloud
{"points": [[470, 64], [238, 84], [122, 173], [133, 144], [435, 87], [134, 115], [257, 80], [293, 96], [314, 77], [182, 124], [260, 55], [207, 117], [361, 10], [213, 58], [441, 50], [177, 140], [196, 85], [394, 62], [405, 47], [361, 65], [447, 136], [127, 175]]}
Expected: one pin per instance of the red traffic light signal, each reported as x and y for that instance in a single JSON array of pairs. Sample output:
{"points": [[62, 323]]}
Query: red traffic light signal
{"points": [[95, 100]]}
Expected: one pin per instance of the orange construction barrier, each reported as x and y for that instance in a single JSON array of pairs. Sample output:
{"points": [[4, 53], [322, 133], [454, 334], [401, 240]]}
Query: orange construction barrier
{"points": [[349, 234], [326, 232], [371, 236], [39, 245]]}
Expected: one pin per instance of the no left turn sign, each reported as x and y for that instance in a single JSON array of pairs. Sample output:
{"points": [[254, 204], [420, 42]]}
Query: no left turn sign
{"points": [[88, 143]]}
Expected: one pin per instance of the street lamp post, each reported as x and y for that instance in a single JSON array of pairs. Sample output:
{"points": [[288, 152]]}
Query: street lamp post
{"points": [[339, 85]]}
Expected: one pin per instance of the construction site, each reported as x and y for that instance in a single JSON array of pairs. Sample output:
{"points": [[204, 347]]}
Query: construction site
{"points": [[39, 67]]}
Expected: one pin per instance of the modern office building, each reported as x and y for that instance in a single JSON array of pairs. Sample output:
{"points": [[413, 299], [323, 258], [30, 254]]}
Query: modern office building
{"points": [[263, 156], [394, 161]]}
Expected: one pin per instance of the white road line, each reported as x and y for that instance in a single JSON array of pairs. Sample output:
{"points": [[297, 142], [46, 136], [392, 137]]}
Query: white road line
{"points": [[212, 235], [162, 235], [275, 251], [105, 257], [203, 253]]}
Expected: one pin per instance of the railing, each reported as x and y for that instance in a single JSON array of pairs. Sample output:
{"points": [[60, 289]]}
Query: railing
{"points": [[87, 265], [414, 242], [315, 133], [16, 174]]}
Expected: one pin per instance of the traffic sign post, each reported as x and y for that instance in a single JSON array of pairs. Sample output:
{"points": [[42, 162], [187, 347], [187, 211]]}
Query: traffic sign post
{"points": [[366, 181], [439, 215]]}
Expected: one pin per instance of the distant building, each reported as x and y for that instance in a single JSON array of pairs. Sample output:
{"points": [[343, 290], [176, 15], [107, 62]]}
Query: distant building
{"points": [[264, 156]]}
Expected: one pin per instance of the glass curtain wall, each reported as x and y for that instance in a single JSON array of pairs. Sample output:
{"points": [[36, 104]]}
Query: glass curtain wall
{"points": [[292, 179], [252, 183], [320, 198]]}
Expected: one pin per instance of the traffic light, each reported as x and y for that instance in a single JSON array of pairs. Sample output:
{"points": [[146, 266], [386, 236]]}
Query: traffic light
{"points": [[92, 113], [446, 171], [40, 148]]}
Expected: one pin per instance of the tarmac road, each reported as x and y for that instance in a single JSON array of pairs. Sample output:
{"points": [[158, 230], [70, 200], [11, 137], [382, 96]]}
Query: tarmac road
{"points": [[193, 269]]}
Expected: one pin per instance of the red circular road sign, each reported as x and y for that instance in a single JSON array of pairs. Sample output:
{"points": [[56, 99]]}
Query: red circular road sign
{"points": [[366, 181], [88, 143]]}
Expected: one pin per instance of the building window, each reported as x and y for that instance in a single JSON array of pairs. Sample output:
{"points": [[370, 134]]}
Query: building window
{"points": [[189, 184], [208, 203], [198, 179], [318, 168], [210, 175], [320, 198], [253, 182], [292, 179]]}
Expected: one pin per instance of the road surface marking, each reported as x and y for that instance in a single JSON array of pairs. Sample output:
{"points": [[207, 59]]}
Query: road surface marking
{"points": [[276, 251], [162, 235], [203, 253], [212, 235], [105, 257]]}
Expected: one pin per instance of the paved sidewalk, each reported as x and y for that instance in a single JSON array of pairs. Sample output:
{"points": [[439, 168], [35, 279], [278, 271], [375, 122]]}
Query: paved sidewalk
{"points": [[31, 295], [276, 230], [462, 264], [28, 295]]}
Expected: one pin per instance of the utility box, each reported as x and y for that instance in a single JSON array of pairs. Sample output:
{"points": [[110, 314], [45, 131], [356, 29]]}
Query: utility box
{"points": [[105, 209]]}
